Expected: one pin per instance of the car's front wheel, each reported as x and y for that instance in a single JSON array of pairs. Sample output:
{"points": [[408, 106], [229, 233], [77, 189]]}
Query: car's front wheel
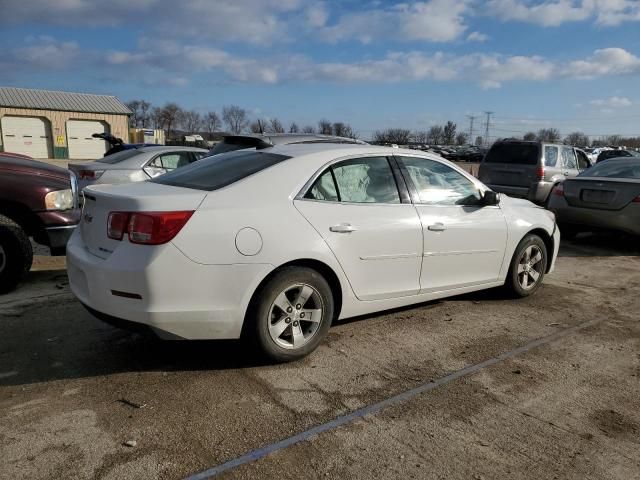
{"points": [[528, 266], [16, 254], [292, 313]]}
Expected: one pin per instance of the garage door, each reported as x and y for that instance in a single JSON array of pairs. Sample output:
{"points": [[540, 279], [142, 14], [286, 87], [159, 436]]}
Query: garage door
{"points": [[81, 143], [27, 135]]}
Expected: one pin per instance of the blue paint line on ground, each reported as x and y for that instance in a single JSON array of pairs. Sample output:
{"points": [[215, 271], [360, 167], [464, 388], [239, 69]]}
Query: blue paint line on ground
{"points": [[374, 408]]}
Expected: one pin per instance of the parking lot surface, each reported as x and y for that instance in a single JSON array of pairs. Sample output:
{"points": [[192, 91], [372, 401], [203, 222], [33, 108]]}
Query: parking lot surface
{"points": [[555, 391]]}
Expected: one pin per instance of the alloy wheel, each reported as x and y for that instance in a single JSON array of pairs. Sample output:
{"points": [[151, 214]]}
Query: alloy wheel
{"points": [[295, 316], [530, 267]]}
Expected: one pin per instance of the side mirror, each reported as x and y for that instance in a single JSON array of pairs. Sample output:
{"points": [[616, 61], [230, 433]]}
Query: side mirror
{"points": [[490, 198]]}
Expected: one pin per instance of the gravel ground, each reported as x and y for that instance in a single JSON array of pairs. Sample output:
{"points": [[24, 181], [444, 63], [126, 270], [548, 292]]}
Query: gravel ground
{"points": [[74, 392]]}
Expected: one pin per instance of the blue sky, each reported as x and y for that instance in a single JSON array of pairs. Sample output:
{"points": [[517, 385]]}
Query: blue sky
{"points": [[569, 64]]}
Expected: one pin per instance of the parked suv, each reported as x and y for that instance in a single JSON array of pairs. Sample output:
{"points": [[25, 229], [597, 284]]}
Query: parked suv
{"points": [[530, 169], [36, 200]]}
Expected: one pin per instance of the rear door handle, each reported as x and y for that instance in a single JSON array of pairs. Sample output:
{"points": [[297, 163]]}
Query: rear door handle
{"points": [[343, 228], [437, 227]]}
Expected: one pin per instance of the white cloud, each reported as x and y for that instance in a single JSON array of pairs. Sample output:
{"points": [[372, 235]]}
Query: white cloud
{"points": [[477, 37], [612, 102], [433, 20], [317, 15], [606, 61], [552, 13], [40, 53]]}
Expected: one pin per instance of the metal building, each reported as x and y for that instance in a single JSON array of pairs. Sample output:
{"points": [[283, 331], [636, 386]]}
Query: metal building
{"points": [[49, 124]]}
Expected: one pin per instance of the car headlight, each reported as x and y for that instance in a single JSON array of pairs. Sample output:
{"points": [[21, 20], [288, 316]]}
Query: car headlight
{"points": [[59, 200]]}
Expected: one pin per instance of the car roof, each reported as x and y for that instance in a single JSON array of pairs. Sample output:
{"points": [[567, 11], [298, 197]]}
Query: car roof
{"points": [[168, 148], [339, 149], [286, 138]]}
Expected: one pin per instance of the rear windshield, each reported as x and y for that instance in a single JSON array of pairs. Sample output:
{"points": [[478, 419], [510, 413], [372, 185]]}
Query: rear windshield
{"points": [[229, 144], [119, 157], [515, 153], [215, 172], [614, 169]]}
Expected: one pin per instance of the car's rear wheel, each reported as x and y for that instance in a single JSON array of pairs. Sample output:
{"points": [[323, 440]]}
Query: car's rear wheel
{"points": [[16, 254], [292, 313], [528, 266]]}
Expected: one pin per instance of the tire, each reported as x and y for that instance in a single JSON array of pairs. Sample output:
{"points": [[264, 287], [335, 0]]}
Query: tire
{"points": [[275, 316], [521, 268], [16, 255]]}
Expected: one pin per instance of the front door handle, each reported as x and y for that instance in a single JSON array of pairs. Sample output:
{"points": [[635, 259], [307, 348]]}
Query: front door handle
{"points": [[343, 228], [437, 227]]}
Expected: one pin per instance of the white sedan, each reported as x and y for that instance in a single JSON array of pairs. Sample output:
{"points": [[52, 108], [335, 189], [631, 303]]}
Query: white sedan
{"points": [[276, 244]]}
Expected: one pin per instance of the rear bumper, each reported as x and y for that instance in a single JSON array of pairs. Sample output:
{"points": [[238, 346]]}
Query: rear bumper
{"points": [[625, 220], [537, 192], [163, 290]]}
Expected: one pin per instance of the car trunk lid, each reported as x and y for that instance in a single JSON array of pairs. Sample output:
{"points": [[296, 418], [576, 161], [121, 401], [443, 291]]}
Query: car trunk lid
{"points": [[601, 193], [100, 200]]}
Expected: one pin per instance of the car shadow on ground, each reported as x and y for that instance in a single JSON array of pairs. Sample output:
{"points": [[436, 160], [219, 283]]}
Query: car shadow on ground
{"points": [[600, 244]]}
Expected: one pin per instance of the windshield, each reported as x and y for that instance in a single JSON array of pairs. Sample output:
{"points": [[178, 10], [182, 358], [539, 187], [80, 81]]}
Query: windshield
{"points": [[119, 157], [215, 172], [515, 153], [627, 168]]}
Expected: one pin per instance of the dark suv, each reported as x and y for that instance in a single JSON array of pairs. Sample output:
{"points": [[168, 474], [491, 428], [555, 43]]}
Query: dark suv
{"points": [[37, 200]]}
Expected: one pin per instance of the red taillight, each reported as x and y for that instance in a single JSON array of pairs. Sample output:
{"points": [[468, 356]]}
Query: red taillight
{"points": [[636, 200], [147, 228], [540, 173], [89, 174], [117, 225], [558, 190], [155, 228]]}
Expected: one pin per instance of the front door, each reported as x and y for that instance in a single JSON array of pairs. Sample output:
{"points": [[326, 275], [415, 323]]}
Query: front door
{"points": [[464, 242], [355, 206]]}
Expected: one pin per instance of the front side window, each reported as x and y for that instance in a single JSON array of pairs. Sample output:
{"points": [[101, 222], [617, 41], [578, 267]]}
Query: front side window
{"points": [[359, 180], [550, 156], [439, 184], [583, 161], [569, 158]]}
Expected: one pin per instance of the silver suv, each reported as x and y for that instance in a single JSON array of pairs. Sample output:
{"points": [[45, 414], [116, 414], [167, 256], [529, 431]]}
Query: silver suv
{"points": [[530, 169]]}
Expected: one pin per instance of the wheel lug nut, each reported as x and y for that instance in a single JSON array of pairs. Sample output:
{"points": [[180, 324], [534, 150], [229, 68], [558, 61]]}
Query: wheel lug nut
{"points": [[287, 320], [295, 324], [298, 306], [289, 309], [302, 315]]}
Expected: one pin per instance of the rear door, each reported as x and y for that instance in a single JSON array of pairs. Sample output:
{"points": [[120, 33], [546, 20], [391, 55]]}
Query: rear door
{"points": [[511, 164], [356, 207], [569, 162]]}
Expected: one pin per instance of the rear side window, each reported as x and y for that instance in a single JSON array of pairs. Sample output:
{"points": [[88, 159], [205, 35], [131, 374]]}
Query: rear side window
{"points": [[569, 158], [550, 156], [515, 153], [221, 170]]}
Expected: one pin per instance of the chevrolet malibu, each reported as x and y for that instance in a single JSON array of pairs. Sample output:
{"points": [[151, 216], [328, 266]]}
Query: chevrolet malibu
{"points": [[275, 244]]}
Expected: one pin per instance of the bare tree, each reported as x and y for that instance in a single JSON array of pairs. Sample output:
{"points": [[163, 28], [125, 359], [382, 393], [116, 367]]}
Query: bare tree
{"points": [[157, 119], [259, 126], [393, 135], [529, 136], [461, 138], [349, 132], [613, 140], [169, 116], [420, 136], [212, 123], [191, 121], [140, 113], [549, 135], [235, 117], [308, 129], [449, 133], [339, 129], [436, 135], [276, 125], [577, 139], [293, 128], [324, 127]]}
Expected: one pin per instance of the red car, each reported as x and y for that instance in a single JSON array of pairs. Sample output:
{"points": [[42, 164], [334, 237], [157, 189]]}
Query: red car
{"points": [[37, 200]]}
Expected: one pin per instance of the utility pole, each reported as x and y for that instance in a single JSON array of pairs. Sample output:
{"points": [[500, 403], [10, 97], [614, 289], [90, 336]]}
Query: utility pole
{"points": [[471, 120], [486, 127]]}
